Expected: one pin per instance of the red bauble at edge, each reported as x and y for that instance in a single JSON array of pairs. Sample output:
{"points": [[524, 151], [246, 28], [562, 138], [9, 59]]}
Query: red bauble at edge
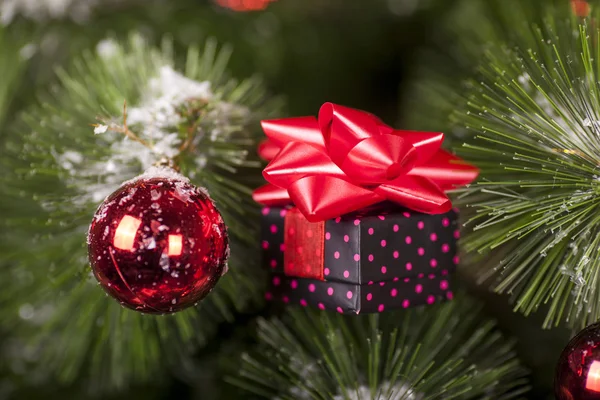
{"points": [[578, 369], [158, 244]]}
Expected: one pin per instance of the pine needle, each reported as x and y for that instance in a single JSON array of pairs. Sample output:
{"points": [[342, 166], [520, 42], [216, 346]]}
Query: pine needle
{"points": [[446, 351]]}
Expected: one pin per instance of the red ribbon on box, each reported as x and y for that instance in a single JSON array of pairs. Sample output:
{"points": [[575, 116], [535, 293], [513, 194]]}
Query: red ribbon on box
{"points": [[348, 159], [304, 246]]}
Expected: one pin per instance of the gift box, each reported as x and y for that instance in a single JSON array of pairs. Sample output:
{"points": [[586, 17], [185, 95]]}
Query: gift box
{"points": [[357, 255], [358, 248], [357, 218], [372, 297]]}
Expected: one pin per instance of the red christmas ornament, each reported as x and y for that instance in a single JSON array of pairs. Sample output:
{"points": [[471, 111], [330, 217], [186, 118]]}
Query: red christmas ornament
{"points": [[244, 5], [581, 8], [578, 370], [158, 244]]}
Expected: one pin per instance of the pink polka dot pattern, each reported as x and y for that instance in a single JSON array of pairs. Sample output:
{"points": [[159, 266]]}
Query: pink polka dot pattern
{"points": [[389, 253], [352, 299]]}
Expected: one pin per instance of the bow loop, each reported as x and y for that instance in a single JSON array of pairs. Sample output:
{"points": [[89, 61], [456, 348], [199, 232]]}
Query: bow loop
{"points": [[349, 159], [298, 129]]}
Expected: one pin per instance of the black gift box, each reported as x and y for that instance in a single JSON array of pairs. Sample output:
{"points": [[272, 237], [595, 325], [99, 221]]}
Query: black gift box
{"points": [[374, 246], [374, 252], [348, 298]]}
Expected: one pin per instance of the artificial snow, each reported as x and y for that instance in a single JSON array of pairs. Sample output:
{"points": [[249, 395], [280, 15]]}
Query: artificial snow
{"points": [[159, 172], [40, 10], [107, 48], [154, 120], [385, 392], [157, 114], [100, 129]]}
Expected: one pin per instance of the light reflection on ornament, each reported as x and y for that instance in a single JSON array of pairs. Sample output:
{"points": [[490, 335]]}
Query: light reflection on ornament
{"points": [[593, 379], [175, 245], [126, 232]]}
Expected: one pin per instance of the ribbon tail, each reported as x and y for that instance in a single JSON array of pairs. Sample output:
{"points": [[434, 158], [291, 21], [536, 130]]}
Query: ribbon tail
{"points": [[447, 171], [271, 195], [297, 160], [322, 197], [417, 193]]}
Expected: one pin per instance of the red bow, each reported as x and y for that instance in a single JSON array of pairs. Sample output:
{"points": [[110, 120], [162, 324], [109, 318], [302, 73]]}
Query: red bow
{"points": [[348, 159]]}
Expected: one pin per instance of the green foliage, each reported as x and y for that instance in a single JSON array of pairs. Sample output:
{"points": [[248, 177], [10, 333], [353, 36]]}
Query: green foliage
{"points": [[13, 61], [532, 121], [445, 351], [459, 41], [53, 168]]}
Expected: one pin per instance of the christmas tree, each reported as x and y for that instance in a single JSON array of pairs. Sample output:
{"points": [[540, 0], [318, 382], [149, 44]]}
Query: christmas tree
{"points": [[194, 205]]}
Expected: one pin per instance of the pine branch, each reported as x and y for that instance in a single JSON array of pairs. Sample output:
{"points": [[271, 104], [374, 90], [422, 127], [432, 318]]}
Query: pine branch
{"points": [[532, 119], [442, 352], [14, 56], [55, 173]]}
